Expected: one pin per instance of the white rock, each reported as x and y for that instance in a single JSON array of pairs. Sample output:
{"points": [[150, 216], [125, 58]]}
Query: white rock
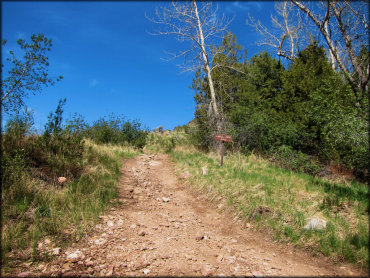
{"points": [[204, 171], [146, 271], [62, 180], [110, 224], [257, 274], [55, 251], [315, 223], [100, 241], [74, 255], [165, 199]]}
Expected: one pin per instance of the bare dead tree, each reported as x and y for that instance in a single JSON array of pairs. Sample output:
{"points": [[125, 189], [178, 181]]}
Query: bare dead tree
{"points": [[286, 36], [198, 25], [343, 25], [349, 26]]}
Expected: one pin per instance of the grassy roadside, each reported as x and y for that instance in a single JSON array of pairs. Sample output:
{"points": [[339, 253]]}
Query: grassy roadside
{"points": [[37, 210], [281, 201]]}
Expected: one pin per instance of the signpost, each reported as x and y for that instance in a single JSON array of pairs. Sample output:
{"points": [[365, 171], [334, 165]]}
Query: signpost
{"points": [[223, 138]]}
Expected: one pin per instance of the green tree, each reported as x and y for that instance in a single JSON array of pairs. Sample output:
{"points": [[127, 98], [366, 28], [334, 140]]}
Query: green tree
{"points": [[54, 124], [28, 74]]}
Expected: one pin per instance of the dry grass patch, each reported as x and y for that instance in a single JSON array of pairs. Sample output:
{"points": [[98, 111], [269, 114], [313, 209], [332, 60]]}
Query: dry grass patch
{"points": [[33, 210], [283, 201]]}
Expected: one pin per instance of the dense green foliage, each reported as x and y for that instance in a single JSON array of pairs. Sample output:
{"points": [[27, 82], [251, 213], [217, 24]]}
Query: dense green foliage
{"points": [[306, 107], [115, 130]]}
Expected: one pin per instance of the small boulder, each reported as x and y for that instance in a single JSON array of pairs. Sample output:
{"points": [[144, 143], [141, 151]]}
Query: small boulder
{"points": [[166, 200], [199, 237], [315, 223], [62, 180], [56, 251], [204, 171]]}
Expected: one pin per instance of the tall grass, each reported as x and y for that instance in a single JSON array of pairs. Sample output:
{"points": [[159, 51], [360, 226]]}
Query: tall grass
{"points": [[281, 201], [166, 142], [33, 208]]}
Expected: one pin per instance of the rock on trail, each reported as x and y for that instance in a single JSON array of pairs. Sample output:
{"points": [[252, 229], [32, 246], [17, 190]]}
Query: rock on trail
{"points": [[162, 228]]}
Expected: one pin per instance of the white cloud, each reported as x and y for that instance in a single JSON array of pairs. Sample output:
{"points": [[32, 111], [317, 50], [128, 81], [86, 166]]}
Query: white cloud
{"points": [[245, 6]]}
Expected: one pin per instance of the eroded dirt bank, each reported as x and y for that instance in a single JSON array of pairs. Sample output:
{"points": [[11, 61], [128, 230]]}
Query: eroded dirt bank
{"points": [[162, 228]]}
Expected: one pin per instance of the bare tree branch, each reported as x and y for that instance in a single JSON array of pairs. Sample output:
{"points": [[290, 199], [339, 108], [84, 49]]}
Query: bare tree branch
{"points": [[198, 25]]}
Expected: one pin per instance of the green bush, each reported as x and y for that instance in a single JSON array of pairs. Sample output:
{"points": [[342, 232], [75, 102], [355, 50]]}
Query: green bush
{"points": [[114, 129], [287, 157]]}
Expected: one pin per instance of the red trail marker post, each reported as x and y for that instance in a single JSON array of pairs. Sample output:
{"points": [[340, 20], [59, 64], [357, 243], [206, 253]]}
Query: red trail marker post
{"points": [[223, 138]]}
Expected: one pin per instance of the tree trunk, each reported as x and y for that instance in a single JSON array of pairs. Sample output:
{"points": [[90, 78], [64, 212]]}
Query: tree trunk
{"points": [[208, 70]]}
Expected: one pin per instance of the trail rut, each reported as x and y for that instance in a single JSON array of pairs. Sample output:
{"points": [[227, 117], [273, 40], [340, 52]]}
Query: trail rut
{"points": [[162, 228]]}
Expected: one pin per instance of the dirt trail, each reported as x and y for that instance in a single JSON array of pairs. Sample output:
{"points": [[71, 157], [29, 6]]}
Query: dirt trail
{"points": [[163, 229]]}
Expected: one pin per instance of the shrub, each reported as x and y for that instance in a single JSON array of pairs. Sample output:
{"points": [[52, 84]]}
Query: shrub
{"points": [[287, 157], [114, 129]]}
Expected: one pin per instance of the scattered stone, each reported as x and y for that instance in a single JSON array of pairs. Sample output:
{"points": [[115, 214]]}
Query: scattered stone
{"points": [[166, 200], [204, 171], [155, 163], [142, 233], [231, 259], [110, 224], [24, 274], [120, 222], [74, 255], [56, 251], [220, 258], [199, 237], [100, 241], [62, 180], [257, 274], [315, 223]]}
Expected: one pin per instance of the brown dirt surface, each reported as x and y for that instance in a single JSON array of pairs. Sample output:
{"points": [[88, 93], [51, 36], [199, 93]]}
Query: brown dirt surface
{"points": [[163, 228]]}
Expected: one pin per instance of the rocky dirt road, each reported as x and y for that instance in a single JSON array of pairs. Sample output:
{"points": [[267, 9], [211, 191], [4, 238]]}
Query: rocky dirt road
{"points": [[162, 228]]}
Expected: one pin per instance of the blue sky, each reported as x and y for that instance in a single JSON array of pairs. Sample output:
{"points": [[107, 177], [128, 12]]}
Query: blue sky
{"points": [[110, 62]]}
